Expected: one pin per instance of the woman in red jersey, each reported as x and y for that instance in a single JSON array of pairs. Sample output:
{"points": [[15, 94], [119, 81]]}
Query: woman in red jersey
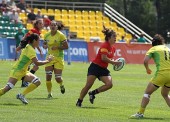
{"points": [[38, 26], [98, 68]]}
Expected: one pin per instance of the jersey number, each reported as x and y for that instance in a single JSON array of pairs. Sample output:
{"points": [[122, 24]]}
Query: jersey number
{"points": [[167, 55]]}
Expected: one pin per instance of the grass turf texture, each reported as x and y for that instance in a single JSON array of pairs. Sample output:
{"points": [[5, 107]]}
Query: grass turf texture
{"points": [[115, 105]]}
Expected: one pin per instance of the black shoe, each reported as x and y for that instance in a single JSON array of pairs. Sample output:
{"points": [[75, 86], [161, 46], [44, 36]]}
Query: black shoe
{"points": [[62, 89], [91, 97], [24, 84], [78, 104]]}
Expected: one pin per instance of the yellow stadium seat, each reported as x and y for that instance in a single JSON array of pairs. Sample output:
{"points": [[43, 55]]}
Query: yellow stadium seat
{"points": [[85, 28], [99, 18], [99, 13], [79, 28], [71, 23], [99, 28], [58, 17], [22, 15], [80, 34], [85, 23], [106, 19], [50, 12], [92, 28], [93, 33], [106, 24], [66, 23], [77, 12], [29, 26], [73, 28], [78, 17], [85, 13], [114, 24], [78, 23], [92, 23], [128, 36], [121, 31], [85, 18], [57, 12], [36, 10], [92, 13], [44, 11], [64, 17], [99, 24], [64, 12], [71, 17], [71, 12]]}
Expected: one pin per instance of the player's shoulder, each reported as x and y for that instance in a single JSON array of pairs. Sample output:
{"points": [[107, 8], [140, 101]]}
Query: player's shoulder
{"points": [[59, 32], [105, 45], [47, 34]]}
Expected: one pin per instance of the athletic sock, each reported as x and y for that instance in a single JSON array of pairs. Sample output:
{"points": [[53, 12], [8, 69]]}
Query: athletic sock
{"points": [[95, 91], [80, 101], [61, 83], [141, 110], [1, 92], [30, 88], [49, 86]]}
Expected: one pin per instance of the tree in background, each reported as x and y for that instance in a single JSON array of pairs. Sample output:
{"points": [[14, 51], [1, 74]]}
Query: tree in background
{"points": [[163, 15]]}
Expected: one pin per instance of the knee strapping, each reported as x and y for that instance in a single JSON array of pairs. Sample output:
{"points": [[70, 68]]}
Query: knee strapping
{"points": [[146, 96], [57, 75], [49, 72], [10, 85], [35, 80]]}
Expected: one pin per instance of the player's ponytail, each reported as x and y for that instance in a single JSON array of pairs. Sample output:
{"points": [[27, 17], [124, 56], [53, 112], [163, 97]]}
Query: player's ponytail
{"points": [[108, 33], [29, 39]]}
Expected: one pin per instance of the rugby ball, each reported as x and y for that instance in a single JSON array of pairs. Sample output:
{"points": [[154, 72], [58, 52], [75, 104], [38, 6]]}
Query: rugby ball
{"points": [[119, 67]]}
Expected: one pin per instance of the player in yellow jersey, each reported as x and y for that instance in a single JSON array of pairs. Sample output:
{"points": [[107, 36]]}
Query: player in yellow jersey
{"points": [[56, 43], [20, 68], [160, 53]]}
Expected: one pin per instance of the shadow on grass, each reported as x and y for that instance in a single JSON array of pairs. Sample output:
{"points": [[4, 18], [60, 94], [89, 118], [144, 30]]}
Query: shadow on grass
{"points": [[42, 98], [94, 108], [149, 118], [10, 104]]}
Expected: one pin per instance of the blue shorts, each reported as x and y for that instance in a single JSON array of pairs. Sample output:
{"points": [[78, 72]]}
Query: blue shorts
{"points": [[97, 71]]}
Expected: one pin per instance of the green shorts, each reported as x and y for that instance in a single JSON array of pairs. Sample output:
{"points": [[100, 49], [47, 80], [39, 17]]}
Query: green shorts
{"points": [[58, 63], [18, 74], [161, 78]]}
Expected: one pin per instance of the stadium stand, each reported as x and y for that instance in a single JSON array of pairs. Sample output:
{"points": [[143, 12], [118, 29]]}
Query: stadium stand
{"points": [[85, 21]]}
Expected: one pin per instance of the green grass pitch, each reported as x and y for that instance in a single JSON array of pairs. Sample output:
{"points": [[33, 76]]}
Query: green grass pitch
{"points": [[115, 105]]}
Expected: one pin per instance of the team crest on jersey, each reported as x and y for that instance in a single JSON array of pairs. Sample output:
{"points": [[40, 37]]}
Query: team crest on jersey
{"points": [[104, 50]]}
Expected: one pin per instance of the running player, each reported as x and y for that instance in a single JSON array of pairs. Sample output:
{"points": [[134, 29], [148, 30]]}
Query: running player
{"points": [[20, 68], [56, 43]]}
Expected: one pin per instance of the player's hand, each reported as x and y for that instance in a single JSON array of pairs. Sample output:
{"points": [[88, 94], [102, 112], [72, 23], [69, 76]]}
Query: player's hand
{"points": [[41, 54], [50, 58], [118, 63], [149, 71]]}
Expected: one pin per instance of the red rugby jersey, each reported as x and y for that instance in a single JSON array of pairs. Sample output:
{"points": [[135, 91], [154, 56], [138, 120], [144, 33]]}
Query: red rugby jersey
{"points": [[34, 30], [106, 49]]}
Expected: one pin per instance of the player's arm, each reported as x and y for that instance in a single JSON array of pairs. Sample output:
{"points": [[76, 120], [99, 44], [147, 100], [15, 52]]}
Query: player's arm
{"points": [[39, 50], [108, 60], [63, 46], [39, 63], [146, 64], [20, 47], [45, 45]]}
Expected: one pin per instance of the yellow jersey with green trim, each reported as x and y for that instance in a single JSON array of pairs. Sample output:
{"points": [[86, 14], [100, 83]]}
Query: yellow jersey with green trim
{"points": [[55, 40], [25, 59], [161, 56]]}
